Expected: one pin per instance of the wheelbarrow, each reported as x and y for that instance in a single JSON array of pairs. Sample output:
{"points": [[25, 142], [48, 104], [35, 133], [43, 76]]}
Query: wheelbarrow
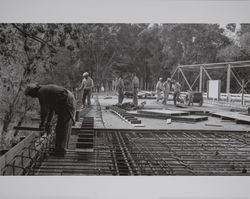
{"points": [[194, 97]]}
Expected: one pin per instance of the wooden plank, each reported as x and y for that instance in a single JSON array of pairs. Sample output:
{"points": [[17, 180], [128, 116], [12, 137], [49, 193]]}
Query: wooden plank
{"points": [[163, 112], [236, 116], [192, 118], [9, 156], [26, 128]]}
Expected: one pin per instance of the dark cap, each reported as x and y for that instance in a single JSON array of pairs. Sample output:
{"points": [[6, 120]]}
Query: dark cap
{"points": [[31, 90]]}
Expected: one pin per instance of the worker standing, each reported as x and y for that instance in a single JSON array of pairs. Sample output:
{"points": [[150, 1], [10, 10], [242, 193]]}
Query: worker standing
{"points": [[166, 90], [87, 86], [114, 85], [120, 89], [135, 89], [159, 88], [58, 100], [177, 91]]}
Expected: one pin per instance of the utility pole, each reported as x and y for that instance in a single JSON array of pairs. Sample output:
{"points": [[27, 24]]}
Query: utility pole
{"points": [[228, 82], [200, 85]]}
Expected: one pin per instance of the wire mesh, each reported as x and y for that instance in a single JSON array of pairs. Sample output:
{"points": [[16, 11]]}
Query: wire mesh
{"points": [[118, 152]]}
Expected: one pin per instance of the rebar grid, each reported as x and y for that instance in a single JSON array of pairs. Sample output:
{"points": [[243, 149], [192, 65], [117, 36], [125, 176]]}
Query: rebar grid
{"points": [[118, 152]]}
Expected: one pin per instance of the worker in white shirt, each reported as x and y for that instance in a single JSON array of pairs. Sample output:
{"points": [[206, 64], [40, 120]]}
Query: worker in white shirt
{"points": [[87, 86], [159, 88], [166, 90], [135, 89]]}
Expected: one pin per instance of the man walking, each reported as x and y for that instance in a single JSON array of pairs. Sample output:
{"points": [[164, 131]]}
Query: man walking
{"points": [[120, 89], [166, 90], [135, 89], [87, 86], [58, 100], [159, 88], [177, 91]]}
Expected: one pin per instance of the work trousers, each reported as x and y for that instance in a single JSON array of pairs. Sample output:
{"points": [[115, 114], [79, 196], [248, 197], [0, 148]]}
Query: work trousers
{"points": [[120, 96], [86, 94], [165, 97], [176, 97], [158, 95], [64, 123], [63, 131], [135, 97]]}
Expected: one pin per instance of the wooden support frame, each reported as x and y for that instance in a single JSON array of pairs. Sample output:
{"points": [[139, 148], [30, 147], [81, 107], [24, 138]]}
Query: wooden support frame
{"points": [[244, 86], [206, 72], [228, 82], [195, 80], [203, 68], [183, 75], [238, 81], [201, 79]]}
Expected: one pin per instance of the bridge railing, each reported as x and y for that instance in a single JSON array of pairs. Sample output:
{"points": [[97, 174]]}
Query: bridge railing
{"points": [[234, 99]]}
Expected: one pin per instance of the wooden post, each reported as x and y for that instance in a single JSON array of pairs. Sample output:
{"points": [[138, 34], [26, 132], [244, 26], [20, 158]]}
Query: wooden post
{"points": [[183, 75], [200, 85], [228, 82]]}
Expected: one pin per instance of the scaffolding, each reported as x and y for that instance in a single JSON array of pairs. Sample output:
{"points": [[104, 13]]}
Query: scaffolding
{"points": [[204, 71]]}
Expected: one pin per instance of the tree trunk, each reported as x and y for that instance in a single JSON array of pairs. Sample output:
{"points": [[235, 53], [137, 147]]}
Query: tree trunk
{"points": [[20, 122], [6, 122]]}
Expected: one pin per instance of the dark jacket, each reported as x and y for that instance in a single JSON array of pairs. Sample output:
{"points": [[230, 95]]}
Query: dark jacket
{"points": [[53, 98]]}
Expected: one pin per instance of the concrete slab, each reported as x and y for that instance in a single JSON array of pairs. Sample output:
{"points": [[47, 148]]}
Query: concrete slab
{"points": [[190, 118], [106, 119], [163, 112], [233, 115], [114, 122]]}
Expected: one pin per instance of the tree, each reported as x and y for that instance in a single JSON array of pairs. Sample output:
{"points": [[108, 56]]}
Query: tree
{"points": [[238, 50], [19, 54]]}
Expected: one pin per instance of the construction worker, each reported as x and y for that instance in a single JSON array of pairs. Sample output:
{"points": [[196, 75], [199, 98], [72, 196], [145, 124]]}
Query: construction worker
{"points": [[135, 89], [159, 88], [87, 86], [166, 90], [177, 91], [114, 85], [120, 89], [58, 100]]}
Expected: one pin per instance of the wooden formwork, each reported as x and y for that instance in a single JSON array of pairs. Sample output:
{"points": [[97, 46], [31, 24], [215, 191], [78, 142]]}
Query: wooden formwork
{"points": [[18, 159]]}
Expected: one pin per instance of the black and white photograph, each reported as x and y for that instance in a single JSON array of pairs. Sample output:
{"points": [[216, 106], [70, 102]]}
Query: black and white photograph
{"points": [[125, 99], [115, 99]]}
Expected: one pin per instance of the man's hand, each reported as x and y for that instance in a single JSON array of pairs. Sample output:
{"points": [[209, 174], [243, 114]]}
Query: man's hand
{"points": [[42, 127], [48, 128]]}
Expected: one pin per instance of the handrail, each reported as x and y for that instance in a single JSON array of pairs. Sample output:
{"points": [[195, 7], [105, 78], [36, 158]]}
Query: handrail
{"points": [[217, 64]]}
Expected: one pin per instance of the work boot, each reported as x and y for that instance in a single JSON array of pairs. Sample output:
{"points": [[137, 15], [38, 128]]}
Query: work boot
{"points": [[59, 152]]}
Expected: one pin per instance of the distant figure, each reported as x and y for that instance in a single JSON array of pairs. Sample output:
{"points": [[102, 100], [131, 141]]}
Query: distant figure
{"points": [[159, 88], [98, 87], [114, 85], [177, 91], [53, 98], [166, 90], [135, 89], [102, 87], [120, 89], [87, 86]]}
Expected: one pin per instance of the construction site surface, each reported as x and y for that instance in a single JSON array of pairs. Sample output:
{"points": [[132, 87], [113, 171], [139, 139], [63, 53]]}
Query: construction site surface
{"points": [[156, 139]]}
